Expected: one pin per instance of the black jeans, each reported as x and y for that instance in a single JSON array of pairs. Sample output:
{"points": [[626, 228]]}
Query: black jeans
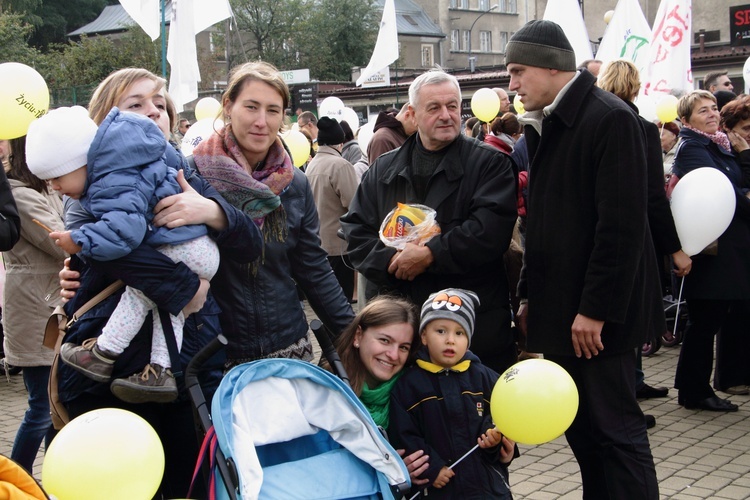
{"points": [[608, 435]]}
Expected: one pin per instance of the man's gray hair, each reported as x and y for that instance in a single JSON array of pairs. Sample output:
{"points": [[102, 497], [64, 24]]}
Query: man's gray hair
{"points": [[432, 77]]}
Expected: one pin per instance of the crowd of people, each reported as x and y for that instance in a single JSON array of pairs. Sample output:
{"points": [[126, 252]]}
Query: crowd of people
{"points": [[233, 238]]}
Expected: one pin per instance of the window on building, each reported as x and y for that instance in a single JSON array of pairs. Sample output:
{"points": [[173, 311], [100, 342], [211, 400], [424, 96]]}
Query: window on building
{"points": [[456, 40], [453, 4], [503, 40], [464, 4], [509, 6], [485, 41], [466, 40], [427, 61], [484, 4]]}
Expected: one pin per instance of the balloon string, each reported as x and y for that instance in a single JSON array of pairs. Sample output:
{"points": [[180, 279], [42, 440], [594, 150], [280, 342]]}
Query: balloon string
{"points": [[677, 312], [453, 465]]}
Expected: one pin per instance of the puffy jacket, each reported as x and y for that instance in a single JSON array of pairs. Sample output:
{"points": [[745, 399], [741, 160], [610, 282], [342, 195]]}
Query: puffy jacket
{"points": [[443, 412], [170, 285], [126, 177], [262, 311]]}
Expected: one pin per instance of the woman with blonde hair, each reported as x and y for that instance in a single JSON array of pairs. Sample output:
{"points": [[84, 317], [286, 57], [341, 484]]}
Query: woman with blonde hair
{"points": [[621, 77], [172, 286]]}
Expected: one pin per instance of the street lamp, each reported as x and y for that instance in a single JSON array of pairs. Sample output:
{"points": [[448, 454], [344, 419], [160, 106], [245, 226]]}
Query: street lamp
{"points": [[472, 60]]}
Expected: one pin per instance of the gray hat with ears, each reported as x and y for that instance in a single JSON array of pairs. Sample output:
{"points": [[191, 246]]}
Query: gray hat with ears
{"points": [[452, 303], [541, 44]]}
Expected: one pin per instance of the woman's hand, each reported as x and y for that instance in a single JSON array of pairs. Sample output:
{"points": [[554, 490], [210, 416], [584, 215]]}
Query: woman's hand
{"points": [[65, 241], [196, 303], [188, 207], [417, 464], [738, 142], [69, 281], [682, 263]]}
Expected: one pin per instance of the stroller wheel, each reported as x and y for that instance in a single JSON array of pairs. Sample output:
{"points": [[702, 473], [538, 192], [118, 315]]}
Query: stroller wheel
{"points": [[671, 339], [651, 347]]}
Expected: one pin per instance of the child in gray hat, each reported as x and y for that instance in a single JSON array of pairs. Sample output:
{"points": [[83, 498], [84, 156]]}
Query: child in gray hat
{"points": [[442, 405]]}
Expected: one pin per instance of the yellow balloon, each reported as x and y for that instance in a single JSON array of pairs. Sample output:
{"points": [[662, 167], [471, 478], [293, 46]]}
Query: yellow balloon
{"points": [[208, 107], [106, 453], [485, 104], [298, 145], [24, 97], [534, 401], [666, 109], [518, 105]]}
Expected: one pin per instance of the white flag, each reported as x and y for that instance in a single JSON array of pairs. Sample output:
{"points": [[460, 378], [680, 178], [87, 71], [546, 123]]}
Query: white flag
{"points": [[386, 47], [567, 13], [189, 17], [746, 75], [146, 14], [668, 66], [627, 36]]}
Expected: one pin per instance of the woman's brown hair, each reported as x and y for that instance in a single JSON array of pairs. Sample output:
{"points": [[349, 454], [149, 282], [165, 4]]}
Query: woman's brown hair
{"points": [[17, 168]]}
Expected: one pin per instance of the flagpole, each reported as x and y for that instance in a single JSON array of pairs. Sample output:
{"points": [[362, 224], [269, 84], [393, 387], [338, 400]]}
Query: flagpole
{"points": [[163, 40]]}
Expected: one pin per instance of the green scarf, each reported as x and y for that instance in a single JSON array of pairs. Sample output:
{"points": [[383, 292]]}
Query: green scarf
{"points": [[377, 401]]}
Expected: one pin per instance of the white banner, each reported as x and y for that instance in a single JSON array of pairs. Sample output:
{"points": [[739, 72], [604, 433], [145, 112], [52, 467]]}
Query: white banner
{"points": [[386, 47], [627, 35], [746, 75], [668, 65], [567, 13]]}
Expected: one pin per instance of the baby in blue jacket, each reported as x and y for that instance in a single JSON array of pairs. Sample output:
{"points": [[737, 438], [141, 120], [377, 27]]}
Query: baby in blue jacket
{"points": [[118, 173]]}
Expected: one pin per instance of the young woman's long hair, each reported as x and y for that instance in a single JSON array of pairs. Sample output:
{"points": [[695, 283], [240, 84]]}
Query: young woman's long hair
{"points": [[18, 169]]}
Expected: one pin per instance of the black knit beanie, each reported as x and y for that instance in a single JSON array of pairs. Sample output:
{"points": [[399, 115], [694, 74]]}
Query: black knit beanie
{"points": [[329, 132], [541, 44]]}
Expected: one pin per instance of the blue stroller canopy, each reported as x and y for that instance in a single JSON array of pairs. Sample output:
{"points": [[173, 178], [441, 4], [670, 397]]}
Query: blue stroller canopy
{"points": [[295, 430]]}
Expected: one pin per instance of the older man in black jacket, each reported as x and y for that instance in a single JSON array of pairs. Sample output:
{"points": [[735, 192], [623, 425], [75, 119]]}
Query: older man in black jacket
{"points": [[590, 269], [471, 187]]}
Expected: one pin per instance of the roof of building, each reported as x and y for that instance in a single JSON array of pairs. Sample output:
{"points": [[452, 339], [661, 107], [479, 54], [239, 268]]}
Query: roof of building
{"points": [[411, 20], [113, 19]]}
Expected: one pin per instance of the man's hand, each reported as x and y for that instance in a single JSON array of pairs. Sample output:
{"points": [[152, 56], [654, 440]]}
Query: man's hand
{"points": [[65, 241], [410, 262], [587, 336], [69, 281]]}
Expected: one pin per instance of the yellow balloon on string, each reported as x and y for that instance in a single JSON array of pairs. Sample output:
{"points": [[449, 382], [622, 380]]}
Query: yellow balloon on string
{"points": [[298, 146], [485, 104], [24, 97], [518, 105]]}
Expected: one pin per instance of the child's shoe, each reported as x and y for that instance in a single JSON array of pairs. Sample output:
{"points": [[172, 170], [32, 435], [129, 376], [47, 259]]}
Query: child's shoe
{"points": [[154, 385], [88, 358]]}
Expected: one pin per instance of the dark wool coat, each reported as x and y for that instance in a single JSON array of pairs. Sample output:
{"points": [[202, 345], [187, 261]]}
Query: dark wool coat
{"points": [[725, 276], [473, 192], [443, 412], [588, 250]]}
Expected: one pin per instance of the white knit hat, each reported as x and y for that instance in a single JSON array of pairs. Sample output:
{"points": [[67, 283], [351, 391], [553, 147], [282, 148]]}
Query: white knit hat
{"points": [[58, 142]]}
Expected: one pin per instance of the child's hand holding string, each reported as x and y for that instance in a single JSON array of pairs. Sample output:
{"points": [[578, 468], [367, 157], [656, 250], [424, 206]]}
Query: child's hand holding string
{"points": [[64, 241]]}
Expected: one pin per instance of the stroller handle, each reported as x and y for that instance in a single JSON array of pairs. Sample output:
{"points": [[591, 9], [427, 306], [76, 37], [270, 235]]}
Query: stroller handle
{"points": [[329, 351], [201, 357]]}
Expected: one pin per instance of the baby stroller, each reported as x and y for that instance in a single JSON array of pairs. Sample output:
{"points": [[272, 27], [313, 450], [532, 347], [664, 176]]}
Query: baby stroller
{"points": [[17, 484], [289, 429]]}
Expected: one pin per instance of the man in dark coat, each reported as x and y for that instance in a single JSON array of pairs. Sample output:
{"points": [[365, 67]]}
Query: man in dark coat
{"points": [[589, 263], [471, 187]]}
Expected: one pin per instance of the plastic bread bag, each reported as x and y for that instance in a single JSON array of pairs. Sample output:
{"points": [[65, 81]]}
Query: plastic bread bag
{"points": [[408, 224]]}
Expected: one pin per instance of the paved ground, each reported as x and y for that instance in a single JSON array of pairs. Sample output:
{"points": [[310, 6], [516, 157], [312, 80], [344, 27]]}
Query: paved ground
{"points": [[698, 454]]}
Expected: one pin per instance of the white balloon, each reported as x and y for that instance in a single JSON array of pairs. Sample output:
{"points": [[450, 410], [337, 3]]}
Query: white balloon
{"points": [[202, 129], [331, 106], [703, 203], [646, 107], [351, 117], [364, 136]]}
